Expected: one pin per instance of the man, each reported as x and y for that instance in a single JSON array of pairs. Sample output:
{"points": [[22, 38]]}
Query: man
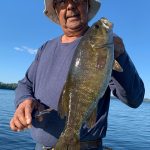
{"points": [[44, 80]]}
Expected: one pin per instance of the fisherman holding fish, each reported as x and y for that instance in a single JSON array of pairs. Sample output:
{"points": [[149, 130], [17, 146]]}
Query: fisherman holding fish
{"points": [[61, 71]]}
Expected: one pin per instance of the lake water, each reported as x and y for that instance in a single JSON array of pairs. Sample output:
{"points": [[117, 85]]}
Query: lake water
{"points": [[128, 129]]}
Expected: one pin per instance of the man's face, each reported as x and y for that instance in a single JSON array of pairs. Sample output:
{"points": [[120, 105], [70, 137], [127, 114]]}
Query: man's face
{"points": [[72, 14]]}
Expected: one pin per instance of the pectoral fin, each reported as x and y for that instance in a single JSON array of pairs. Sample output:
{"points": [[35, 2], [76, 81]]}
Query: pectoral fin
{"points": [[117, 66]]}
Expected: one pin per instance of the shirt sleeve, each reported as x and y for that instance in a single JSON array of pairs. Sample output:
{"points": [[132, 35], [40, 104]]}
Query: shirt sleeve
{"points": [[127, 85], [25, 87]]}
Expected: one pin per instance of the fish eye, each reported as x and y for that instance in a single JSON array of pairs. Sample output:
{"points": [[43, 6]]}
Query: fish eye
{"points": [[97, 26]]}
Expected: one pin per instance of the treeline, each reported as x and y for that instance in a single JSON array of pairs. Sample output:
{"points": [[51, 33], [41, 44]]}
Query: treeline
{"points": [[8, 86], [146, 99]]}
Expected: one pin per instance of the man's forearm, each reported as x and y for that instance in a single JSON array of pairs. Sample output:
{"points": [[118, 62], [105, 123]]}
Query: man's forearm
{"points": [[127, 86]]}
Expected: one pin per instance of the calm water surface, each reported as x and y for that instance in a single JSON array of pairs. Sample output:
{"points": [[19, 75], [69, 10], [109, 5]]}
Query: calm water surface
{"points": [[129, 129]]}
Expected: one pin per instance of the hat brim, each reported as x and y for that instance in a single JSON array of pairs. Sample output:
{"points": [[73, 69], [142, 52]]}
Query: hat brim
{"points": [[50, 12]]}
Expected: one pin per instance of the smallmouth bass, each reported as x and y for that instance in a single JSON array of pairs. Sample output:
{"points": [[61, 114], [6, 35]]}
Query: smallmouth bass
{"points": [[87, 81]]}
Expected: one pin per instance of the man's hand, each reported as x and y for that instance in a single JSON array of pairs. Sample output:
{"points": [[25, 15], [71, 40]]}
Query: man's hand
{"points": [[118, 46], [22, 117]]}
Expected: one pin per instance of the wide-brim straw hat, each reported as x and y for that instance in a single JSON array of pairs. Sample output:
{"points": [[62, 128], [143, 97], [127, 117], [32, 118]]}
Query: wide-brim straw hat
{"points": [[51, 13]]}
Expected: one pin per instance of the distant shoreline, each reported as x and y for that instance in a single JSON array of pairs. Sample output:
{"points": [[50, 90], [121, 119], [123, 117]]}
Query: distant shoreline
{"points": [[12, 86], [8, 86], [145, 99]]}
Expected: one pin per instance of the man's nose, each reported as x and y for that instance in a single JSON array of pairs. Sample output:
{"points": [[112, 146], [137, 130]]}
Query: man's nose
{"points": [[71, 4]]}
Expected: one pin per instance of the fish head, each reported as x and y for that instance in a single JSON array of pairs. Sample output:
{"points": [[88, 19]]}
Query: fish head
{"points": [[102, 31]]}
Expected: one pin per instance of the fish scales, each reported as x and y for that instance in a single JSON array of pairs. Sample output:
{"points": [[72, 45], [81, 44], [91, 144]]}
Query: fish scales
{"points": [[87, 80]]}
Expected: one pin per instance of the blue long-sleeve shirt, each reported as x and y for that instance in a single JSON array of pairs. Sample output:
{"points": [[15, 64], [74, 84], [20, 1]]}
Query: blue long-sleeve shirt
{"points": [[44, 81]]}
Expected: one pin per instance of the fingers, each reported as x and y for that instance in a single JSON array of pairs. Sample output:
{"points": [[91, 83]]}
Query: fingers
{"points": [[16, 124], [22, 118], [12, 125], [118, 40], [28, 117], [118, 46]]}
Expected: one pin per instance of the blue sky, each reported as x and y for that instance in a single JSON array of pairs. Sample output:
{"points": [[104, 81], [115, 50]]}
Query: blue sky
{"points": [[24, 28]]}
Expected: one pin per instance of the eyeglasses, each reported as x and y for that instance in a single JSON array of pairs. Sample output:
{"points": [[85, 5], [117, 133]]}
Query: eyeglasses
{"points": [[64, 3]]}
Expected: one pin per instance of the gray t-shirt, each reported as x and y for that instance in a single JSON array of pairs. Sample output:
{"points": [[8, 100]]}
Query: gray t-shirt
{"points": [[44, 81]]}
